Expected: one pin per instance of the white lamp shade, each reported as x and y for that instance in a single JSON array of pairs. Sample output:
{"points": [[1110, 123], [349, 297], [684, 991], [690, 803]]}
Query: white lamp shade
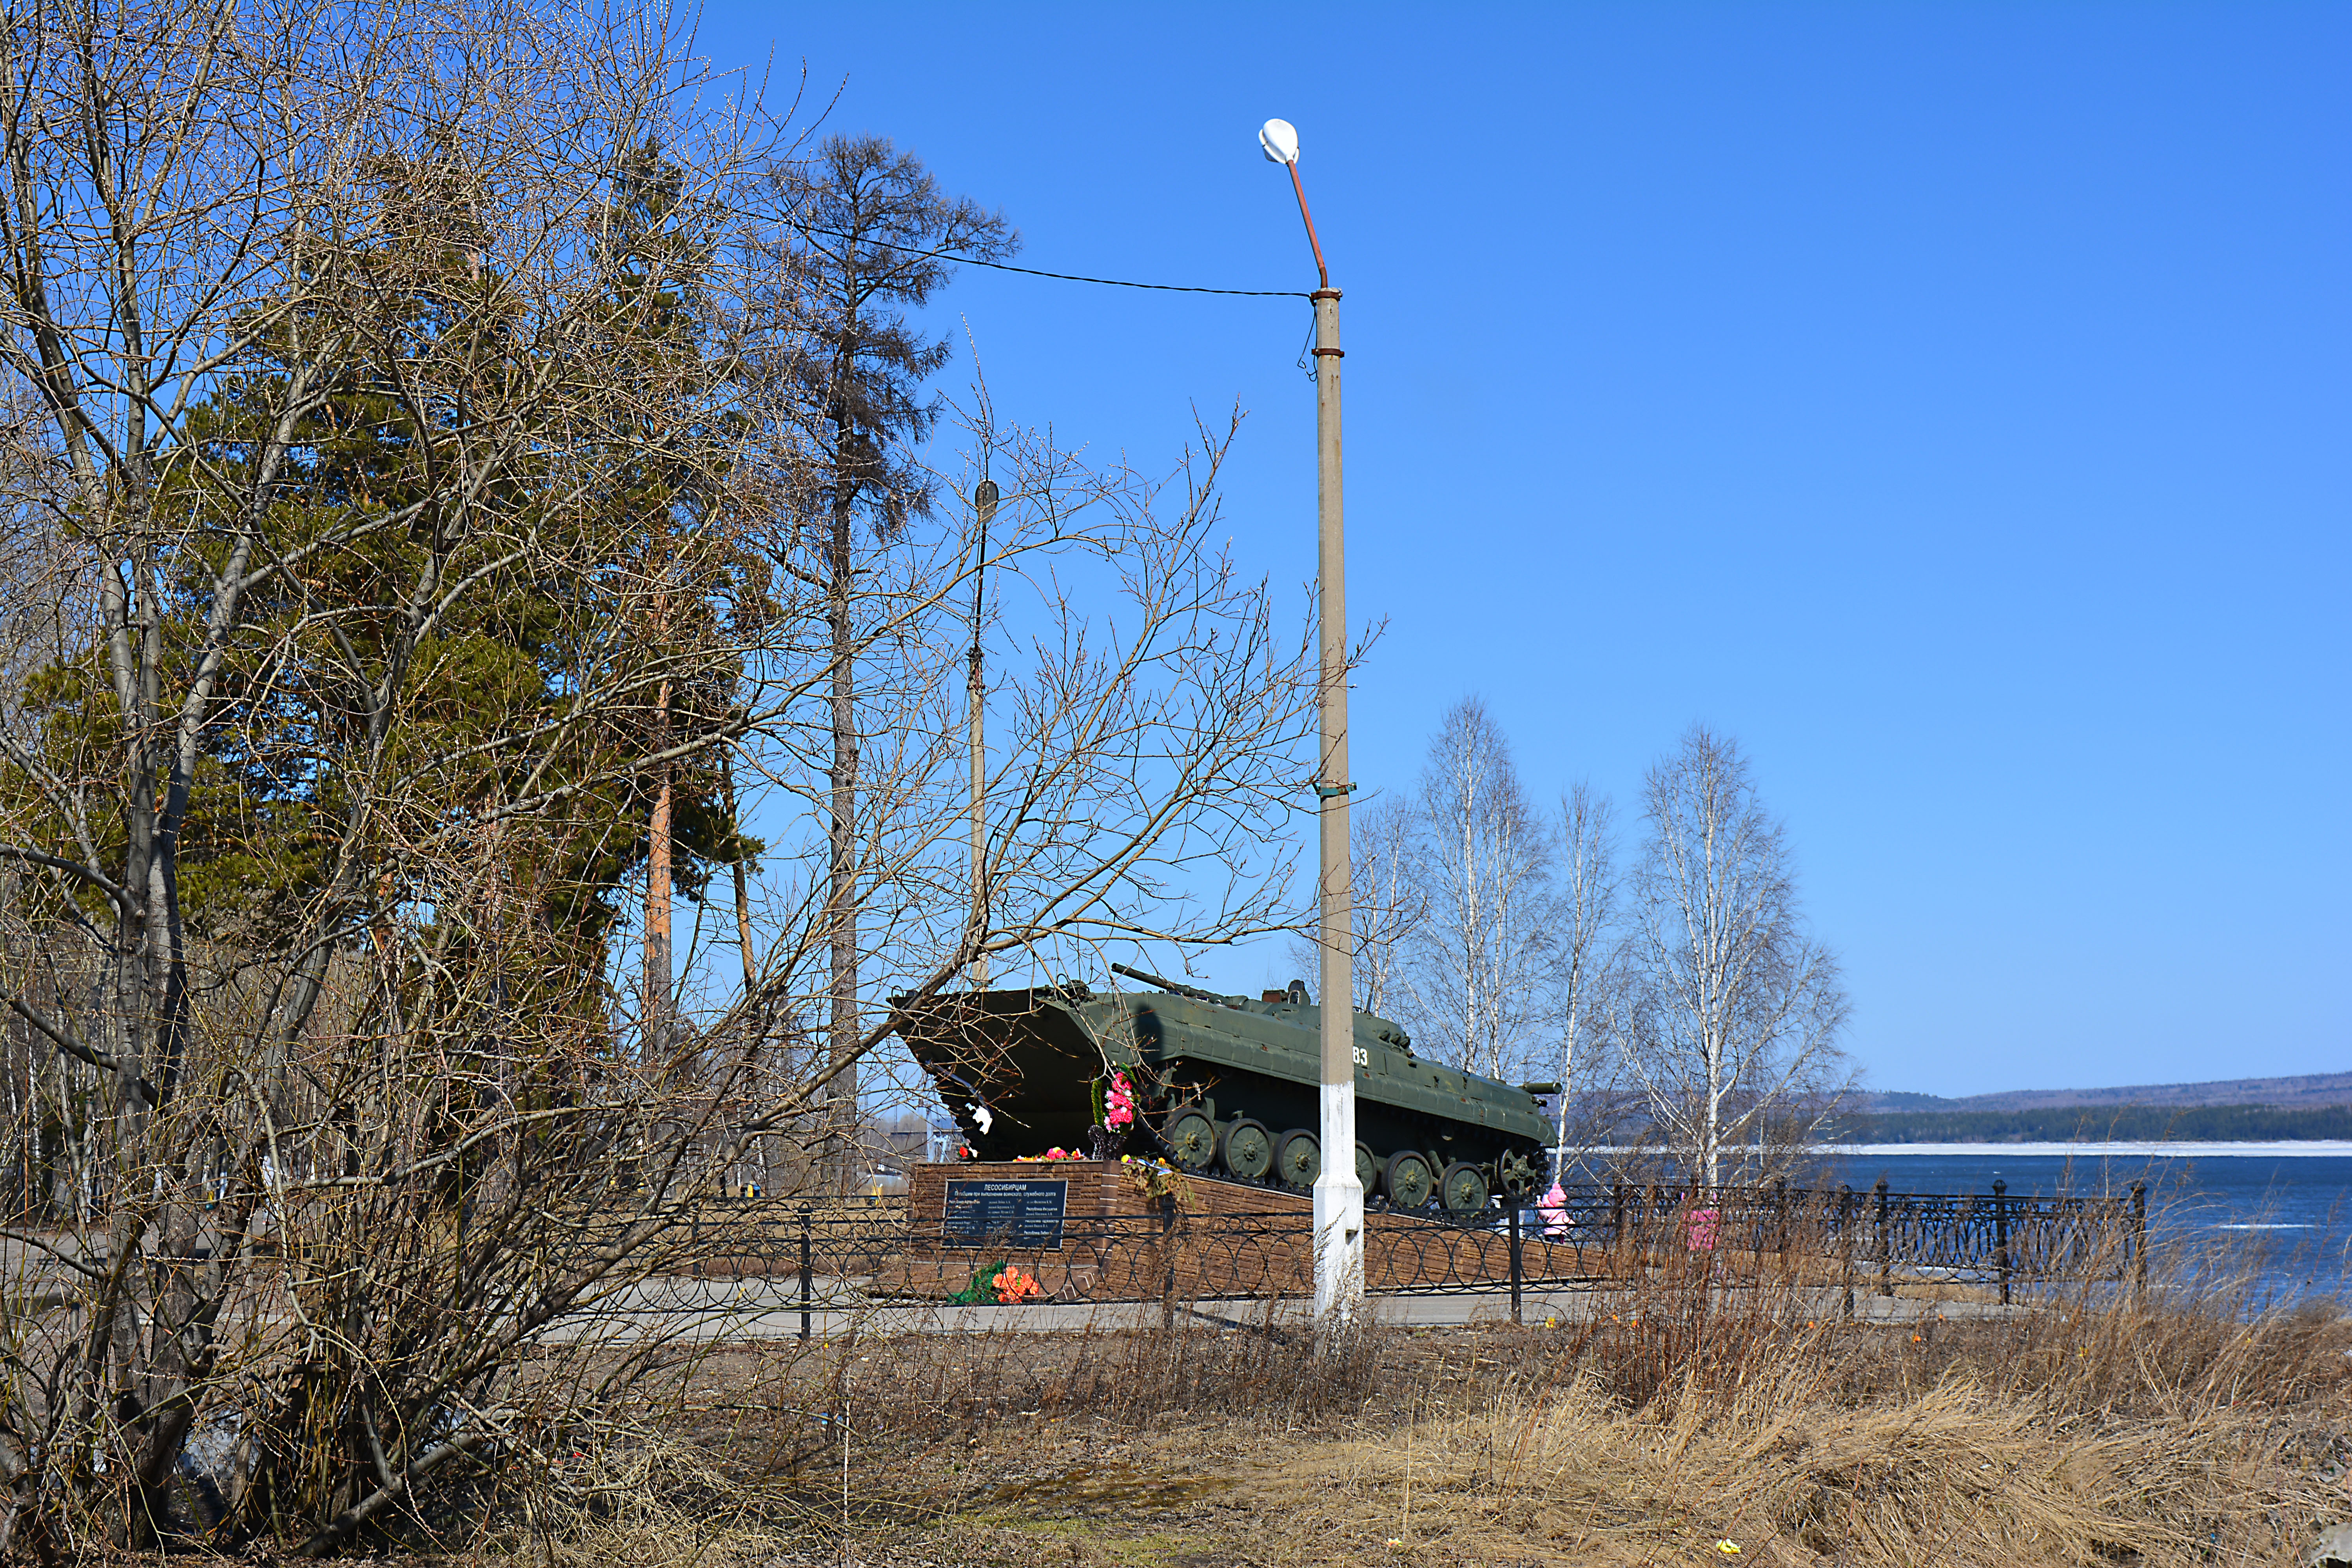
{"points": [[1280, 140]]}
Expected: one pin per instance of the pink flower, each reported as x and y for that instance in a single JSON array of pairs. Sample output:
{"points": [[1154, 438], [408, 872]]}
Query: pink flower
{"points": [[1703, 1227], [1119, 1103]]}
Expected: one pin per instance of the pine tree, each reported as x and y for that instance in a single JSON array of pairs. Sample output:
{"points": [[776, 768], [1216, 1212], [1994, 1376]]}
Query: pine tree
{"points": [[878, 239]]}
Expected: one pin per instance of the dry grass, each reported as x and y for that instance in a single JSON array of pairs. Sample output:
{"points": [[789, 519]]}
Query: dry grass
{"points": [[1788, 1474], [1665, 1419], [2072, 1438]]}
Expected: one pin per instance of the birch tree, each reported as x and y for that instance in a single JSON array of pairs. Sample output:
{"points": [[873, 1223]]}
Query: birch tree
{"points": [[1591, 985], [1742, 1007], [1391, 903], [1477, 978]]}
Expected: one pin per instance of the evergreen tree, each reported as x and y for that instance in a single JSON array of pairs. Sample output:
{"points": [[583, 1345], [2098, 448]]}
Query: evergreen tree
{"points": [[320, 685], [878, 240]]}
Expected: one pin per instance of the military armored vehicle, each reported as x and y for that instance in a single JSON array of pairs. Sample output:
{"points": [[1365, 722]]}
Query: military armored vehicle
{"points": [[1227, 1087]]}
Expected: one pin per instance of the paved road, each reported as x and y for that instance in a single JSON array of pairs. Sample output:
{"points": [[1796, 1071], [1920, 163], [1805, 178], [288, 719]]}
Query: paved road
{"points": [[762, 1315], [768, 1308]]}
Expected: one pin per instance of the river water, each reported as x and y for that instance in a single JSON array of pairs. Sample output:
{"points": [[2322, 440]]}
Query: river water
{"points": [[2276, 1211]]}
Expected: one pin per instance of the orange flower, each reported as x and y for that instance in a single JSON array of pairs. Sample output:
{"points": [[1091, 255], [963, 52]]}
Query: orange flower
{"points": [[1014, 1285]]}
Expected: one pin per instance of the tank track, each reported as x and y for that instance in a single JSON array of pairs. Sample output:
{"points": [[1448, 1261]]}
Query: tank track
{"points": [[1374, 1203]]}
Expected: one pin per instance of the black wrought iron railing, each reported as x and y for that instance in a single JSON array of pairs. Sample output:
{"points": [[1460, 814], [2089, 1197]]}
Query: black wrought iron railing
{"points": [[786, 1257]]}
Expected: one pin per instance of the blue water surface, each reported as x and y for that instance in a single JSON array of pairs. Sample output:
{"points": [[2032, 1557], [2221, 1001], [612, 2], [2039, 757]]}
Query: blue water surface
{"points": [[2283, 1217]]}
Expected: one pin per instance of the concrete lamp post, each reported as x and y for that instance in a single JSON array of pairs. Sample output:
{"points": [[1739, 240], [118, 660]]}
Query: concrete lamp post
{"points": [[1338, 1195]]}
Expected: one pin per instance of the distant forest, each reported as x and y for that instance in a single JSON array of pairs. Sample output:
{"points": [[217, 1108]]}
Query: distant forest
{"points": [[2068, 1123]]}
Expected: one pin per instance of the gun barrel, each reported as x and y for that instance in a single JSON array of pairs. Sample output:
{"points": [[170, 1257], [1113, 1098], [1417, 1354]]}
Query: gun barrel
{"points": [[1182, 990]]}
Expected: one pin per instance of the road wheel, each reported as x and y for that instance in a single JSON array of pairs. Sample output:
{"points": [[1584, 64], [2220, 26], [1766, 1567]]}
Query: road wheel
{"points": [[1518, 1172], [1246, 1149], [1297, 1158], [1190, 1137], [1462, 1190], [1368, 1168], [1407, 1181]]}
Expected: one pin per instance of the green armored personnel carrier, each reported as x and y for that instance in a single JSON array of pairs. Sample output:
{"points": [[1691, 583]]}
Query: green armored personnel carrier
{"points": [[1228, 1085]]}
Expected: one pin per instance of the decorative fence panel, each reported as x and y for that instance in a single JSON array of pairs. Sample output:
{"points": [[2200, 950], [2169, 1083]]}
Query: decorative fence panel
{"points": [[786, 1257]]}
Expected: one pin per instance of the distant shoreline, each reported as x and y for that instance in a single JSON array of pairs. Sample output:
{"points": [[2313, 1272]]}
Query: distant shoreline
{"points": [[2304, 1147], [2301, 1148], [2241, 1123], [2307, 1148]]}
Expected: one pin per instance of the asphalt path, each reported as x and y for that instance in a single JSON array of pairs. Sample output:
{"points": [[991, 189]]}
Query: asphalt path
{"points": [[835, 1309], [768, 1307]]}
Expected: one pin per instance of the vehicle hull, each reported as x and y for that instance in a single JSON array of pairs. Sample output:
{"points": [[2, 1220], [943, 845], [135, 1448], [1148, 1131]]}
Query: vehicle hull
{"points": [[1033, 1058]]}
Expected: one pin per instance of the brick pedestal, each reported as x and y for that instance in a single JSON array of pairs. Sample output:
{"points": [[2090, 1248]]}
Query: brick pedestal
{"points": [[1194, 1238]]}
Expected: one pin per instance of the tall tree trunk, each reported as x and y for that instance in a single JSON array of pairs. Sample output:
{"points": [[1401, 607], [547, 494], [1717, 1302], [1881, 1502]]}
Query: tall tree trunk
{"points": [[1567, 1087], [742, 888], [659, 971], [1711, 1149], [841, 912], [975, 713]]}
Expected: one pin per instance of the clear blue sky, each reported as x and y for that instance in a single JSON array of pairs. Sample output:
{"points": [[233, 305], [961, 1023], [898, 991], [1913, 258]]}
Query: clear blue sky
{"points": [[1949, 402]]}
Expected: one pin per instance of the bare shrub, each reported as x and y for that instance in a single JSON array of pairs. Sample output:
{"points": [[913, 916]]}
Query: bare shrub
{"points": [[408, 540]]}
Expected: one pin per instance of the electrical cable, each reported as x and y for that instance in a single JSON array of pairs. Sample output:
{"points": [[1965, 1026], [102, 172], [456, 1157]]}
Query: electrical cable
{"points": [[440, 122], [1033, 271]]}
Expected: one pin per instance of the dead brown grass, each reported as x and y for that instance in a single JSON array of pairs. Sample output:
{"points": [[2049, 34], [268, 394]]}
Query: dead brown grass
{"points": [[1666, 1418], [1788, 1474]]}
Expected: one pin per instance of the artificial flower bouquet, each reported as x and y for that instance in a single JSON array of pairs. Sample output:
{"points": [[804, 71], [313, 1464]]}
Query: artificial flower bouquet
{"points": [[1006, 1284]]}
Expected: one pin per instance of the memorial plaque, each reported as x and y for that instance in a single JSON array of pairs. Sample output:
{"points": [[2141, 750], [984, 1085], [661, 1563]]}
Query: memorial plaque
{"points": [[1006, 1214]]}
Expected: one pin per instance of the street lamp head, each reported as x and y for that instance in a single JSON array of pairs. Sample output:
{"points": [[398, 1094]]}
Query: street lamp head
{"points": [[1280, 140]]}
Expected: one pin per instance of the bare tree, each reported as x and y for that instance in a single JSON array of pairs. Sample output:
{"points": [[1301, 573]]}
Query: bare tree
{"points": [[1145, 711], [337, 382], [1478, 960], [1743, 1007], [1592, 985], [1390, 904], [380, 559]]}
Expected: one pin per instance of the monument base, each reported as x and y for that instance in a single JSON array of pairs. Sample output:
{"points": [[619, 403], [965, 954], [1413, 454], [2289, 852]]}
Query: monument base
{"points": [[1103, 1230]]}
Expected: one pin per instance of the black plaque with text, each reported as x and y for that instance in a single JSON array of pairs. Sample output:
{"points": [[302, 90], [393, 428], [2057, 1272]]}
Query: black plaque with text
{"points": [[1006, 1214]]}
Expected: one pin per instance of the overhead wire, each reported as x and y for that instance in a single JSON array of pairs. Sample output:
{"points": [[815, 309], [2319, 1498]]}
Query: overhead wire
{"points": [[971, 260], [444, 123]]}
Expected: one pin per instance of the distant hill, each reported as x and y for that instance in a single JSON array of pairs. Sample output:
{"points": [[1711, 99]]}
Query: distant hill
{"points": [[2310, 1091], [2097, 1123]]}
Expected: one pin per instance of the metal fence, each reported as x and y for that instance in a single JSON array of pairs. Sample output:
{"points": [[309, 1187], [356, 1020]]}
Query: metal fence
{"points": [[783, 1257], [1989, 1238]]}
